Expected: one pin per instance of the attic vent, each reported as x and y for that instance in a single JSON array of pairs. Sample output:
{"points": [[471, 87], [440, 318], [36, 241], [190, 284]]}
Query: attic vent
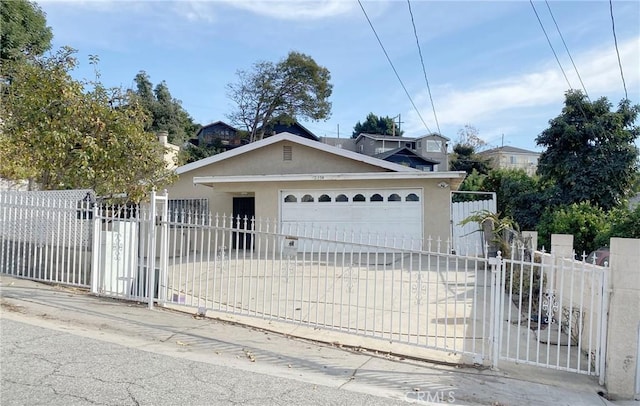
{"points": [[287, 153]]}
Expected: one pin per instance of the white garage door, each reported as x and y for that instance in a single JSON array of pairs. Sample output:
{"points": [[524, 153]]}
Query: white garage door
{"points": [[385, 216]]}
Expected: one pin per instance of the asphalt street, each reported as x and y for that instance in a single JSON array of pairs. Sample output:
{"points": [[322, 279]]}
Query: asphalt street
{"points": [[63, 346], [41, 366]]}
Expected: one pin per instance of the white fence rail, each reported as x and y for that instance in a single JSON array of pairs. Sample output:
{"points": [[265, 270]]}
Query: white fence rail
{"points": [[46, 236], [554, 311], [358, 284]]}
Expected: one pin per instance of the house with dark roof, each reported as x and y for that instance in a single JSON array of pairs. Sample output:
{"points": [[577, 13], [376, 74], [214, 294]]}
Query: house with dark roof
{"points": [[219, 134], [430, 148], [408, 157], [508, 157], [294, 128]]}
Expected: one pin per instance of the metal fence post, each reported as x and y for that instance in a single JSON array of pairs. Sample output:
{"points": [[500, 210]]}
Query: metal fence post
{"points": [[96, 272], [164, 250], [151, 259], [496, 299]]}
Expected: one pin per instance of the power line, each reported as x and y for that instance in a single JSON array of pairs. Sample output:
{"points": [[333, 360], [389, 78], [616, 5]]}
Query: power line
{"points": [[393, 67], [615, 40], [415, 33], [550, 45], [556, 56], [567, 49]]}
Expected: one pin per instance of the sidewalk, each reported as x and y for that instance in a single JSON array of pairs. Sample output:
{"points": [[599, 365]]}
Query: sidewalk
{"points": [[177, 334]]}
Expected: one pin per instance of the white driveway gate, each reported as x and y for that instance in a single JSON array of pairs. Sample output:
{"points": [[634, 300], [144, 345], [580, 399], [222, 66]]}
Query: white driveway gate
{"points": [[552, 312], [469, 236]]}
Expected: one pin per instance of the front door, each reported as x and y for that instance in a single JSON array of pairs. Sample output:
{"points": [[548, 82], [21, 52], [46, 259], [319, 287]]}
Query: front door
{"points": [[243, 207]]}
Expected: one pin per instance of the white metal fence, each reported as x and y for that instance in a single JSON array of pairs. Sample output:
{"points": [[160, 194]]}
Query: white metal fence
{"points": [[361, 285], [554, 311], [129, 252], [534, 309], [46, 236]]}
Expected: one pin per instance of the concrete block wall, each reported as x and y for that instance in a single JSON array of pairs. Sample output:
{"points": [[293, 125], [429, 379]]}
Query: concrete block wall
{"points": [[622, 373]]}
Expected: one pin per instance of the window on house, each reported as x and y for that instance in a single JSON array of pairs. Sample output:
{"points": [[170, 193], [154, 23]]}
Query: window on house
{"points": [[342, 198], [324, 198], [513, 160], [359, 198], [434, 146], [307, 198], [376, 198], [394, 198], [287, 153], [290, 199], [412, 197], [419, 144]]}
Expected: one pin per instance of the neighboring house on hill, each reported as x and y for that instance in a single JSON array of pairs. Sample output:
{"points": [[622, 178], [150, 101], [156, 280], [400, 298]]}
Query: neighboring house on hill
{"points": [[434, 147], [294, 180], [374, 144], [408, 157], [294, 128], [508, 157], [220, 134]]}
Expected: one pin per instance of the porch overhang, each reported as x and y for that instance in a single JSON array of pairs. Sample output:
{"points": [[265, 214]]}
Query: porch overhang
{"points": [[448, 179]]}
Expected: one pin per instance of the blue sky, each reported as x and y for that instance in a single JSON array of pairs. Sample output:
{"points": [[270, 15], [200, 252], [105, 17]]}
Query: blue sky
{"points": [[488, 63]]}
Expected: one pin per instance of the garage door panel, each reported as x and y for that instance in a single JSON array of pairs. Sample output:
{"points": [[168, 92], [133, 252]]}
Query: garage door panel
{"points": [[400, 218]]}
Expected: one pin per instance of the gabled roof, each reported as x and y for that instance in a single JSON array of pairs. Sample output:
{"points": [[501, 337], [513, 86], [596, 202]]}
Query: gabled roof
{"points": [[282, 127], [433, 135], [296, 140], [508, 149], [217, 123], [405, 151]]}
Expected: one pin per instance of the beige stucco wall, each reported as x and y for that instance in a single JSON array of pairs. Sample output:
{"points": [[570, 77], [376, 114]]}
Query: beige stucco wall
{"points": [[268, 160], [436, 200]]}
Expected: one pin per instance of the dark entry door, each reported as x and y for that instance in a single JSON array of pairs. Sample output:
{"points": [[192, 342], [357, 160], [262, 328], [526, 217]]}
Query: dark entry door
{"points": [[243, 207]]}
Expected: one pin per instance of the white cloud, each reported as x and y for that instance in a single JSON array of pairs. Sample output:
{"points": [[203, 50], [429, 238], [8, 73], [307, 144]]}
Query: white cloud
{"points": [[295, 10], [489, 101]]}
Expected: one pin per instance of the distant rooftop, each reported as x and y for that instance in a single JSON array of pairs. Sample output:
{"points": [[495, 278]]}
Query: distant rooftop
{"points": [[509, 149]]}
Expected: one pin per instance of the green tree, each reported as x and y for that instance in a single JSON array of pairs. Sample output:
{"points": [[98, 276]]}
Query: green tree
{"points": [[24, 31], [468, 136], [193, 153], [585, 221], [464, 158], [295, 87], [165, 112], [519, 196], [590, 152], [63, 133], [376, 125]]}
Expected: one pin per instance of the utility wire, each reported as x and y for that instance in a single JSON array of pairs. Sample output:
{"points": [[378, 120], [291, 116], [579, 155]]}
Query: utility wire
{"points": [[550, 45], [393, 67], [556, 56], [567, 49], [415, 33], [615, 40]]}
